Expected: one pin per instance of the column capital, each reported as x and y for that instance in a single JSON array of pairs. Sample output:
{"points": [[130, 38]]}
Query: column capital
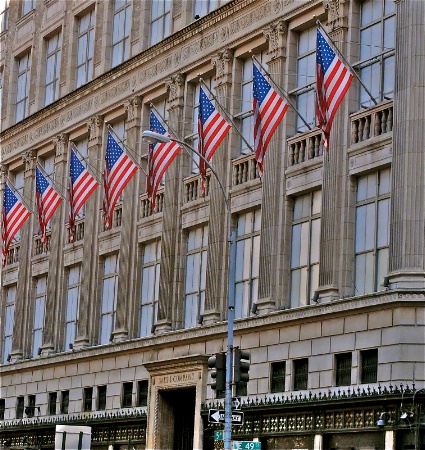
{"points": [[337, 13], [60, 142], [29, 157], [175, 87], [133, 107], [276, 34], [94, 125], [222, 61]]}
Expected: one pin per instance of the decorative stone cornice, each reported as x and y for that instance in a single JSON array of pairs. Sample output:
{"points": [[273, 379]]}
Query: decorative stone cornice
{"points": [[276, 34]]}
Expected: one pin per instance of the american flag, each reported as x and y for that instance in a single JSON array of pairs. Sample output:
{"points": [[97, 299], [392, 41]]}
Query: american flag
{"points": [[119, 169], [161, 155], [212, 129], [269, 109], [14, 215], [82, 184], [48, 199], [332, 82]]}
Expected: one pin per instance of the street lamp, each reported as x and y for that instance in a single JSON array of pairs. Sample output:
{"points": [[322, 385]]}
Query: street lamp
{"points": [[152, 137]]}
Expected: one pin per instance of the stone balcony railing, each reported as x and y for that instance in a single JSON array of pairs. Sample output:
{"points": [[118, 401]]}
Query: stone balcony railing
{"points": [[116, 218], [79, 231], [192, 187], [305, 147], [13, 253], [244, 169], [39, 248], [146, 206], [372, 122]]}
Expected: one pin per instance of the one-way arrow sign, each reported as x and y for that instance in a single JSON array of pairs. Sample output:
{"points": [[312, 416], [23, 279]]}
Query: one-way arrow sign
{"points": [[217, 416]]}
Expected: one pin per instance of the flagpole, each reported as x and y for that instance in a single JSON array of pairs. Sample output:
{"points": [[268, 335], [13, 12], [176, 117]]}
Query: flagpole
{"points": [[229, 118], [352, 71], [282, 92]]}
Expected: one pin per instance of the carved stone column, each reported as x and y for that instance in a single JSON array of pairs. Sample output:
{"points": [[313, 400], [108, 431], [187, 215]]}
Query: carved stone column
{"points": [[272, 181], [21, 343], [55, 281], [127, 299], [171, 219], [407, 225], [88, 319], [218, 246], [334, 186]]}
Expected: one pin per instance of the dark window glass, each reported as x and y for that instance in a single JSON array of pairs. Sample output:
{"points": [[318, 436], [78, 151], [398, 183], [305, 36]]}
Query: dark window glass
{"points": [[20, 408], [2, 408], [242, 388], [30, 408], [64, 402], [127, 393], [369, 368], [220, 394], [101, 398], [343, 369], [88, 399], [300, 374], [278, 371], [142, 395], [52, 402]]}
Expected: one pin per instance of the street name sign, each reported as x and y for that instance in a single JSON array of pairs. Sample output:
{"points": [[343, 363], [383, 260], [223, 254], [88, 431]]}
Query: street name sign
{"points": [[217, 416], [246, 445]]}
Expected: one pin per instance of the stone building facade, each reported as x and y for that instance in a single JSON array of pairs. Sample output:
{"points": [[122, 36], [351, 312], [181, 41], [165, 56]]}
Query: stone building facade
{"points": [[114, 329]]}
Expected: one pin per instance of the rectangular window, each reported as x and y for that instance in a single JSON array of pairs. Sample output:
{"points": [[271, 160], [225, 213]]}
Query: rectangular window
{"points": [[127, 395], [109, 298], [343, 364], [372, 231], [27, 6], [2, 408], [101, 398], [196, 272], [30, 408], [247, 262], [85, 47], [377, 54], [300, 374], [53, 396], [369, 366], [39, 314], [203, 7], [150, 287], [4, 15], [8, 322], [142, 392], [121, 31], [306, 79], [278, 373], [72, 306], [20, 408], [305, 247], [88, 399], [160, 20], [64, 402], [53, 68], [23, 84]]}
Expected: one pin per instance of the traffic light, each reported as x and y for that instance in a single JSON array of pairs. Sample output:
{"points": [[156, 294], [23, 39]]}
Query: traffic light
{"points": [[217, 362], [241, 365]]}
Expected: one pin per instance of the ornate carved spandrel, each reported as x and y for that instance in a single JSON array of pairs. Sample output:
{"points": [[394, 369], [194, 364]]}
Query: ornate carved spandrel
{"points": [[223, 66], [276, 34]]}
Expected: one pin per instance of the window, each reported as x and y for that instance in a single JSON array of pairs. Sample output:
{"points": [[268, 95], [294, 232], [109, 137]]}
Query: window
{"points": [[24, 66], [203, 7], [142, 392], [30, 408], [127, 395], [160, 20], [109, 298], [277, 376], [53, 68], [121, 31], [101, 398], [2, 408], [53, 396], [343, 369], [300, 374], [20, 407], [87, 399], [27, 6], [64, 402], [72, 306], [247, 262], [85, 48], [369, 366], [306, 79], [305, 247], [150, 287], [196, 271], [372, 231], [377, 55], [39, 313], [4, 15], [9, 321]]}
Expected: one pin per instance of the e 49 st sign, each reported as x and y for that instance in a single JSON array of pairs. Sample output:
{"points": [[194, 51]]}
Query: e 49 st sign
{"points": [[217, 416]]}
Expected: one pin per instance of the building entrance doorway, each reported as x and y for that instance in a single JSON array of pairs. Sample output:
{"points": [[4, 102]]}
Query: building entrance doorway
{"points": [[178, 406]]}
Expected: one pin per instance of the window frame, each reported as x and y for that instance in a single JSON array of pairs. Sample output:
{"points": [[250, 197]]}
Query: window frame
{"points": [[107, 310], [40, 297], [87, 36], [64, 404], [117, 56], [9, 321], [88, 399], [52, 405], [161, 19], [343, 368], [53, 67], [277, 375], [22, 86], [373, 354], [74, 318], [300, 374], [142, 393], [127, 396]]}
